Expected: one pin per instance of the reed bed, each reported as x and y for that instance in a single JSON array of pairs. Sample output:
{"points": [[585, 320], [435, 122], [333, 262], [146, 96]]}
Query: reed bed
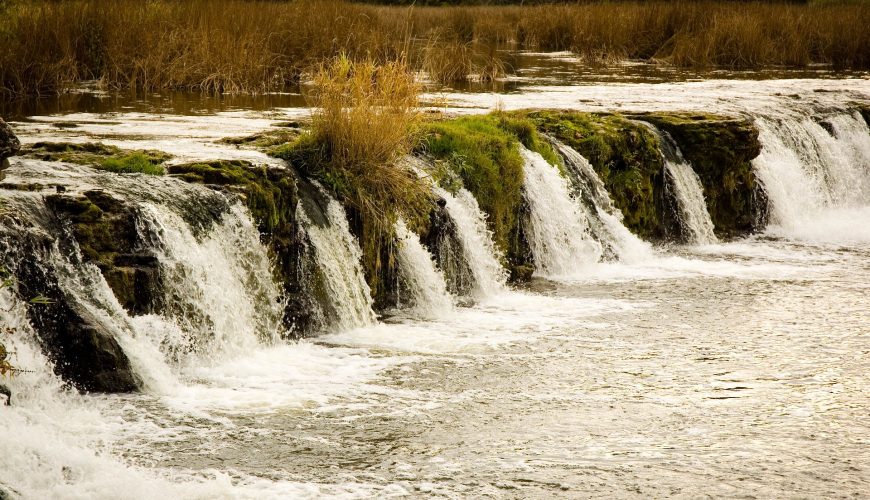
{"points": [[254, 46]]}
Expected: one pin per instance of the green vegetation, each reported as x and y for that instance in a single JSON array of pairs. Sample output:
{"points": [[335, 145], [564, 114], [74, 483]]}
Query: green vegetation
{"points": [[624, 154], [100, 156], [238, 46]]}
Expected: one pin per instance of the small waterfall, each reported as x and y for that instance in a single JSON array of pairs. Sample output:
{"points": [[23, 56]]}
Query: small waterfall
{"points": [[605, 220], [346, 297], [218, 294], [479, 253], [557, 227], [696, 226], [218, 288], [816, 175], [422, 288]]}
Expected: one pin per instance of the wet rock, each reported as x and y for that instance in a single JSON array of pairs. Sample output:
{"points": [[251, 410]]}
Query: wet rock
{"points": [[82, 347], [9, 146], [272, 196], [721, 150], [105, 230]]}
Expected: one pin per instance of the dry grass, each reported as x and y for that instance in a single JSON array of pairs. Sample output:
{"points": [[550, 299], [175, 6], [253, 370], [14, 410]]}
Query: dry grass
{"points": [[365, 122], [256, 46]]}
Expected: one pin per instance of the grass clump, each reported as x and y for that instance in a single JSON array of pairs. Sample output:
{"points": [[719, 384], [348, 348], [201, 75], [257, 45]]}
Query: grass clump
{"points": [[365, 122], [137, 162]]}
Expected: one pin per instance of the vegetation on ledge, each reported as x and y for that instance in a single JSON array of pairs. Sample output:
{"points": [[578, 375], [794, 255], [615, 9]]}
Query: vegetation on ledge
{"points": [[101, 156], [625, 155], [364, 125], [721, 150]]}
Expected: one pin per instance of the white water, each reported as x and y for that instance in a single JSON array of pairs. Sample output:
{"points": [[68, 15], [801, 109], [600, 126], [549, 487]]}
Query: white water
{"points": [[337, 256], [478, 250], [720, 373], [422, 291], [221, 299], [689, 193], [557, 230], [600, 211], [818, 183]]}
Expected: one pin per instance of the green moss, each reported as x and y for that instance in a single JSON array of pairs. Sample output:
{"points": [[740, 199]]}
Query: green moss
{"points": [[136, 162], [99, 155], [624, 154], [485, 157], [270, 196]]}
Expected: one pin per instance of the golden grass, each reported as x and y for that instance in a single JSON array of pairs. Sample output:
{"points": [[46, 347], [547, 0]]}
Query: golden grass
{"points": [[258, 45]]}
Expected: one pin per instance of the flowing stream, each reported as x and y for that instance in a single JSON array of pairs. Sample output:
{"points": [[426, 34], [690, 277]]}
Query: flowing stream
{"points": [[720, 369]]}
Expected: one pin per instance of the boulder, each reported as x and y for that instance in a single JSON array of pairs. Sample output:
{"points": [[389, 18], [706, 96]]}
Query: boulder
{"points": [[79, 342], [9, 146]]}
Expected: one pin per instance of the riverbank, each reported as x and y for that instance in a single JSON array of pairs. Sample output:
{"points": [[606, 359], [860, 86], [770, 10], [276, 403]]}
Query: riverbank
{"points": [[255, 47]]}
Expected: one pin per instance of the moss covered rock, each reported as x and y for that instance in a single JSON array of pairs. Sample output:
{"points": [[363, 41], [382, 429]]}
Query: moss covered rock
{"points": [[482, 154], [625, 156], [720, 150], [105, 230], [99, 155], [272, 195]]}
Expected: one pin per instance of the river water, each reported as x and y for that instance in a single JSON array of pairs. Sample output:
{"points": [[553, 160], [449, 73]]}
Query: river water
{"points": [[737, 369]]}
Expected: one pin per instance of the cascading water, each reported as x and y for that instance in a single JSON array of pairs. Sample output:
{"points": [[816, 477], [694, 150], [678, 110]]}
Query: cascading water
{"points": [[480, 255], [605, 220], [219, 294], [696, 226], [219, 297], [422, 291], [816, 177], [346, 297], [557, 228]]}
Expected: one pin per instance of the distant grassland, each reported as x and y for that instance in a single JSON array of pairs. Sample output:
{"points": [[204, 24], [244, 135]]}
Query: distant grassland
{"points": [[256, 46]]}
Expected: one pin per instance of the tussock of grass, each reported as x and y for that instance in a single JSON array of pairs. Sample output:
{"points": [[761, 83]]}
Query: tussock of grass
{"points": [[365, 121]]}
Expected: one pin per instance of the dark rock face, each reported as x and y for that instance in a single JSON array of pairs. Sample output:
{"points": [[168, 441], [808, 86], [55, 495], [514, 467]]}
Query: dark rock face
{"points": [[84, 351], [9, 146], [105, 229], [721, 150]]}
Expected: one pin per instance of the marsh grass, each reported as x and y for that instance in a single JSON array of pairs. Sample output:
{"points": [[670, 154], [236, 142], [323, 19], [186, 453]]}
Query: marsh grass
{"points": [[237, 46]]}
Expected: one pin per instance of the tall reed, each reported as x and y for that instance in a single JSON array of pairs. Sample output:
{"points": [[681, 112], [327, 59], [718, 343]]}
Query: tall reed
{"points": [[258, 45]]}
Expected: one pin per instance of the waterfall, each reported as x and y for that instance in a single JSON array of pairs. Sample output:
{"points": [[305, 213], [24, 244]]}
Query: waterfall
{"points": [[422, 288], [816, 175], [346, 297], [557, 228], [479, 253], [217, 297], [218, 289], [605, 220], [696, 226]]}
